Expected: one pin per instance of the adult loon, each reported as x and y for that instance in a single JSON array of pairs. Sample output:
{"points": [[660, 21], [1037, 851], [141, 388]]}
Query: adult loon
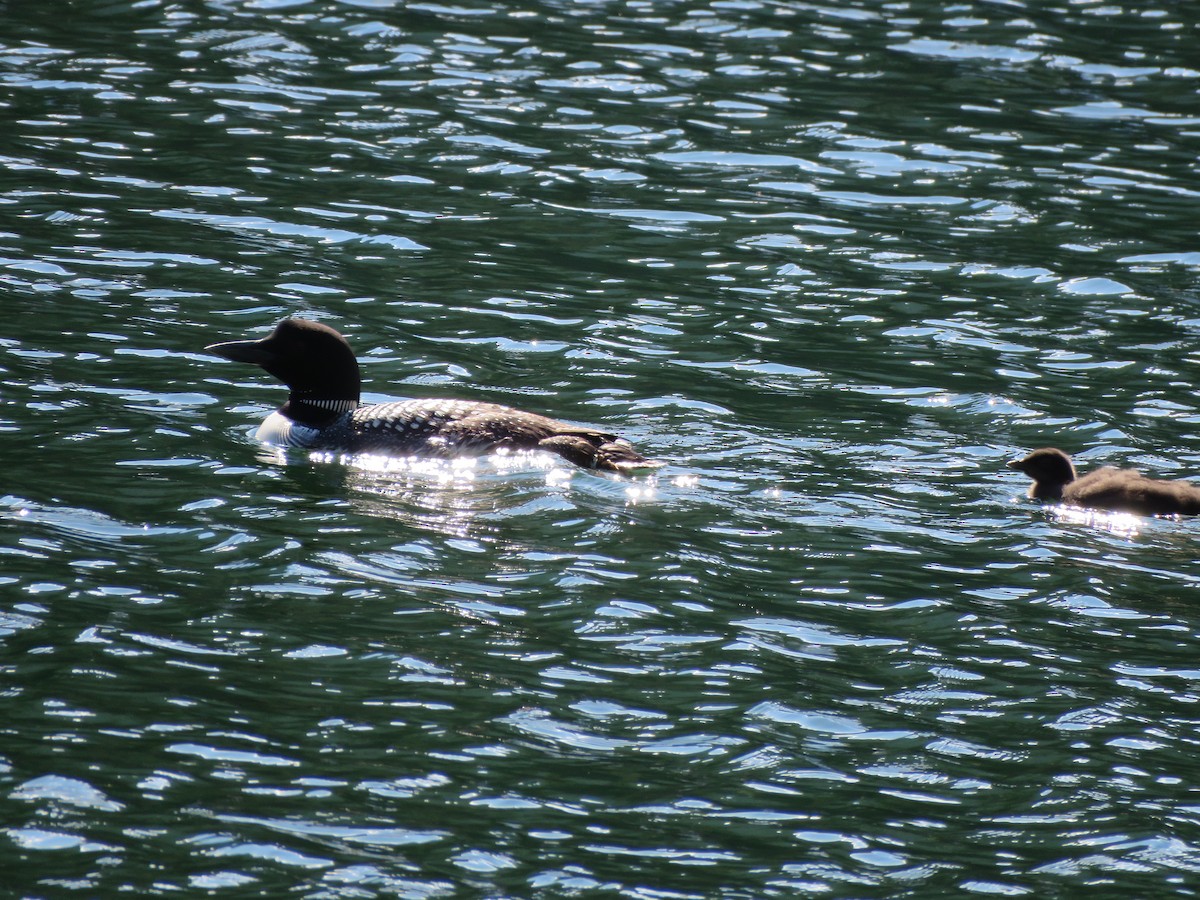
{"points": [[323, 411], [1120, 490]]}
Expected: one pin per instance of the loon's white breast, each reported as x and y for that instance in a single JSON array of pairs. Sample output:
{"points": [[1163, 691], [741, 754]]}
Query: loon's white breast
{"points": [[279, 430]]}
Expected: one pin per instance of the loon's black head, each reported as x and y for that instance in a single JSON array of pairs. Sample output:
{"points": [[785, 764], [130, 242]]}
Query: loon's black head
{"points": [[312, 359], [1050, 469]]}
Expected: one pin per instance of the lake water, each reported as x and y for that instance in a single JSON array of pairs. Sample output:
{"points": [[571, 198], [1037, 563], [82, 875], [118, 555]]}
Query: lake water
{"points": [[834, 263]]}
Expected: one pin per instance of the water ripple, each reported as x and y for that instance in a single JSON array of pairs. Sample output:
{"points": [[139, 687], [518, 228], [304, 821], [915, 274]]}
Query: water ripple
{"points": [[835, 264]]}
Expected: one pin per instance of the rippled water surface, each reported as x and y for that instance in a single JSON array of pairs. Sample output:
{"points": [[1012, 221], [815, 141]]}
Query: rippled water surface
{"points": [[835, 263]]}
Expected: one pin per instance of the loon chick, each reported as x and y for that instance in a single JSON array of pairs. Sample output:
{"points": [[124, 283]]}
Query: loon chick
{"points": [[1121, 490], [323, 411]]}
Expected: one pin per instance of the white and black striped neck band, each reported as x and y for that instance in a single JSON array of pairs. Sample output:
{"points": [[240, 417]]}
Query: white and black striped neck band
{"points": [[338, 406]]}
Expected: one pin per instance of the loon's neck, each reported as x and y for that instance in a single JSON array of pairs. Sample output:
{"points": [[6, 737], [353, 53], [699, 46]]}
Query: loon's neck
{"points": [[1041, 490], [316, 412], [1051, 488]]}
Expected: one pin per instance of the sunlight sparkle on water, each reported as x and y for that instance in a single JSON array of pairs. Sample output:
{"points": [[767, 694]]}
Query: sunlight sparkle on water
{"points": [[640, 493], [455, 470], [440, 471], [1125, 525]]}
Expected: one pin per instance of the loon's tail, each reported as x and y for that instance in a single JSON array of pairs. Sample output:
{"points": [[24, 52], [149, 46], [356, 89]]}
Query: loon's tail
{"points": [[596, 450]]}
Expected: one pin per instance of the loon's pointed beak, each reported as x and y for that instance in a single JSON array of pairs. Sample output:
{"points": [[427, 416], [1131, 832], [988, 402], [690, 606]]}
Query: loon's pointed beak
{"points": [[1016, 464], [243, 351]]}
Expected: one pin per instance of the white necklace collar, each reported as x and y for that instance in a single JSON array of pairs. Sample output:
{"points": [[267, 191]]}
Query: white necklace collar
{"points": [[339, 406]]}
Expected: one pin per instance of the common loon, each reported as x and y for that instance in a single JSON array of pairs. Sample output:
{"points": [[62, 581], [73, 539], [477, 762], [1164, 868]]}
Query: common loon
{"points": [[323, 411], [1120, 490]]}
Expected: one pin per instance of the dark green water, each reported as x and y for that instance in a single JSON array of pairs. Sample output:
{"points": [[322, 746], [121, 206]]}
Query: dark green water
{"points": [[835, 263]]}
